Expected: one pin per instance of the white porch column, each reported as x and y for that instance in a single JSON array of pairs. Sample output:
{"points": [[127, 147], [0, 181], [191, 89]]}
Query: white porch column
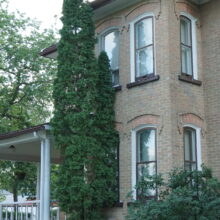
{"points": [[47, 179], [42, 161], [38, 182]]}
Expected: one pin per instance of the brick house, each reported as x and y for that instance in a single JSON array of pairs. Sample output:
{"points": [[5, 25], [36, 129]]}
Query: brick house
{"points": [[165, 60]]}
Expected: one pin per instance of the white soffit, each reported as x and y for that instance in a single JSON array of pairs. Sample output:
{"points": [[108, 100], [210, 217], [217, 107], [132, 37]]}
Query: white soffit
{"points": [[113, 7]]}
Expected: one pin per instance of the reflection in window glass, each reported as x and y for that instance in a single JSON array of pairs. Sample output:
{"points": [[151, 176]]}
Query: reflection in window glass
{"points": [[144, 35], [144, 47], [144, 61], [186, 45], [111, 47], [146, 156]]}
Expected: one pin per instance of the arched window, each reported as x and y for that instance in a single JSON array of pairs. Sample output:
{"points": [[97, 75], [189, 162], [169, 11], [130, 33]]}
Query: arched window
{"points": [[146, 157], [142, 52], [144, 48], [110, 44], [190, 149], [188, 46]]}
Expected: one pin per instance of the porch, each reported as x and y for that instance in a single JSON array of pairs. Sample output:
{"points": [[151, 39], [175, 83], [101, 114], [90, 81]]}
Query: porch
{"points": [[33, 144]]}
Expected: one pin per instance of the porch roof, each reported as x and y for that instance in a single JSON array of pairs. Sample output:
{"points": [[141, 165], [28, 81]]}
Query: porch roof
{"points": [[25, 145]]}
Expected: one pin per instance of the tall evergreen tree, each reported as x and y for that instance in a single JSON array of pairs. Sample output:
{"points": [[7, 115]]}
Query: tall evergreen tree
{"points": [[108, 136], [87, 173]]}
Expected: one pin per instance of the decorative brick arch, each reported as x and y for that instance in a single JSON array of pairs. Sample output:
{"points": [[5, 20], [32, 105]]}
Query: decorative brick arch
{"points": [[105, 24], [146, 119], [190, 118]]}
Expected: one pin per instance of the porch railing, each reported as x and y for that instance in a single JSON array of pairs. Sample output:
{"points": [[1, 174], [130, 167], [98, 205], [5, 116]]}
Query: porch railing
{"points": [[29, 210]]}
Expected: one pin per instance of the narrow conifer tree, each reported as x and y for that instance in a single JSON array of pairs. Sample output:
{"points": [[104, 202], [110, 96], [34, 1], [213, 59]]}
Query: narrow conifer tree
{"points": [[87, 172]]}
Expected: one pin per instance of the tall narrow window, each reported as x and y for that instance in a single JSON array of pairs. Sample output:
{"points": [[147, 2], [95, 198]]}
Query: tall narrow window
{"points": [[144, 48], [186, 46], [146, 157], [190, 151], [111, 47]]}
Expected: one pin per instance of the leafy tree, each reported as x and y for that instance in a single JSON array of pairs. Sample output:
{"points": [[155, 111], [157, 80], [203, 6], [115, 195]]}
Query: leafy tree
{"points": [[18, 177], [85, 176], [26, 81], [188, 195]]}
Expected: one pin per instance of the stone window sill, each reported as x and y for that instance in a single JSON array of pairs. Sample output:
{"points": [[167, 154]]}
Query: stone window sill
{"points": [[117, 88], [143, 81], [189, 79]]}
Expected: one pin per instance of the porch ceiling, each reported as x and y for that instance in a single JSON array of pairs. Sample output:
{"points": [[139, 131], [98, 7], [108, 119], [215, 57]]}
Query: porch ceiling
{"points": [[25, 145]]}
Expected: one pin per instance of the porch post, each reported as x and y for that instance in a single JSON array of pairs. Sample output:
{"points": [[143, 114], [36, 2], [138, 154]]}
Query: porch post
{"points": [[42, 161], [1, 217], [46, 179], [38, 182]]}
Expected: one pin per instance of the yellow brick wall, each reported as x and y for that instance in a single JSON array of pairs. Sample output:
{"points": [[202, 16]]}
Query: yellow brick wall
{"points": [[168, 103]]}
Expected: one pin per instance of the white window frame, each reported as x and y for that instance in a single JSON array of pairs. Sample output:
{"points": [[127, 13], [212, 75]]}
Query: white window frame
{"points": [[198, 144], [194, 44], [134, 154], [132, 43]]}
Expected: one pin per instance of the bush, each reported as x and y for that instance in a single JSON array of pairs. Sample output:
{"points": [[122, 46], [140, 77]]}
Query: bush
{"points": [[186, 195]]}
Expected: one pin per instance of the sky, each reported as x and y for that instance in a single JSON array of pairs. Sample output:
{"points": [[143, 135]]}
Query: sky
{"points": [[43, 10]]}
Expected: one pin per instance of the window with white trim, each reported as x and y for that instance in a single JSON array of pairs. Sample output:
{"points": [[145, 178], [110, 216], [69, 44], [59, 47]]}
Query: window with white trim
{"points": [[190, 150], [192, 147], [111, 46], [146, 156], [188, 46], [144, 159], [144, 48]]}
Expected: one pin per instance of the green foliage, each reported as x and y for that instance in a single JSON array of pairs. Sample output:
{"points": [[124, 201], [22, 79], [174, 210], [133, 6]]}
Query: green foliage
{"points": [[2, 197], [186, 196], [83, 122], [18, 178], [26, 81]]}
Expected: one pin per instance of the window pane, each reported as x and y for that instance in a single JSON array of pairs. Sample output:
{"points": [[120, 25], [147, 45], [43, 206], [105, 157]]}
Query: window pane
{"points": [[190, 146], [145, 170], [187, 144], [186, 60], [185, 25], [144, 33], [187, 166], [190, 166], [115, 77], [193, 141], [144, 61], [146, 146], [111, 47]]}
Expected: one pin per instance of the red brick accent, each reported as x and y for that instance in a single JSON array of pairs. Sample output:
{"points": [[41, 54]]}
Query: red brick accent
{"points": [[143, 119], [189, 118]]}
